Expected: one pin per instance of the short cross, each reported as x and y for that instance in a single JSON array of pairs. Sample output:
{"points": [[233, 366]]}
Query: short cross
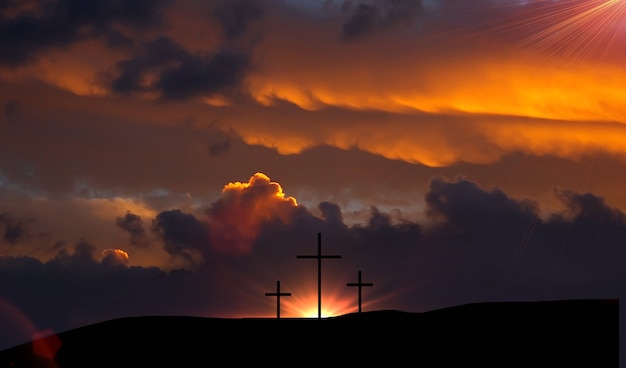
{"points": [[360, 285], [277, 294]]}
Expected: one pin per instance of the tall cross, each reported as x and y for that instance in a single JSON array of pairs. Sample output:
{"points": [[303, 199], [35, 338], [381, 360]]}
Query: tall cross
{"points": [[277, 294], [360, 285], [319, 257]]}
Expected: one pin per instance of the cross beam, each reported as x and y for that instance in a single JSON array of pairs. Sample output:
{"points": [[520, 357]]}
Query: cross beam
{"points": [[359, 285], [277, 294], [319, 257]]}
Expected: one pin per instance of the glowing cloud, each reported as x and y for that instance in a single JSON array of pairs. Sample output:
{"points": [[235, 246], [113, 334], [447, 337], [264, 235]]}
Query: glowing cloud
{"points": [[455, 82], [235, 219], [114, 258], [552, 71]]}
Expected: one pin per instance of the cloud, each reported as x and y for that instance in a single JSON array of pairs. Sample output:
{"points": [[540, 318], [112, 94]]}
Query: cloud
{"points": [[509, 235], [331, 212], [203, 75], [463, 71], [586, 207], [26, 31], [114, 258], [236, 16], [133, 224], [183, 234], [484, 245], [367, 18], [153, 54], [381, 230], [83, 254], [77, 289], [15, 230], [362, 21], [237, 217], [463, 206], [180, 74], [430, 95]]}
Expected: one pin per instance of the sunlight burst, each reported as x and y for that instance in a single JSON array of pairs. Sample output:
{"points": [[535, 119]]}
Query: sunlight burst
{"points": [[332, 308], [306, 306], [576, 30]]}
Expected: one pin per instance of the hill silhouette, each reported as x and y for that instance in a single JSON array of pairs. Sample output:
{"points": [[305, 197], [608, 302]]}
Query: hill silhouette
{"points": [[503, 334]]}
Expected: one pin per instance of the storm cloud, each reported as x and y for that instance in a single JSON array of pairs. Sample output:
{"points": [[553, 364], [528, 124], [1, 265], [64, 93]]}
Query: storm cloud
{"points": [[182, 233], [13, 230], [181, 74], [133, 224], [26, 31], [452, 260]]}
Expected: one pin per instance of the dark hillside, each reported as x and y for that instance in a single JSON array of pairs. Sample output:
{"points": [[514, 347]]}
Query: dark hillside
{"points": [[551, 334]]}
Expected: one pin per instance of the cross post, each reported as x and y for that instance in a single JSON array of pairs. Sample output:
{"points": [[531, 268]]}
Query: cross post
{"points": [[359, 285], [277, 294], [319, 257]]}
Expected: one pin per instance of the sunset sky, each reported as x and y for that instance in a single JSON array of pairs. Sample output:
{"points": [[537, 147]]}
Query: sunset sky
{"points": [[175, 156]]}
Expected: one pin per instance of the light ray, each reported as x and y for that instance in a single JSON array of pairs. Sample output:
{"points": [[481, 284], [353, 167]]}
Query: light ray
{"points": [[577, 31]]}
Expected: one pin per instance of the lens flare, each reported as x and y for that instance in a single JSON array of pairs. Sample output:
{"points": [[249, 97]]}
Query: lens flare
{"points": [[576, 31]]}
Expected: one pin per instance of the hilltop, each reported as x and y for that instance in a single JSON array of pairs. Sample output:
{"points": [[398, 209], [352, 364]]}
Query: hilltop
{"points": [[555, 333]]}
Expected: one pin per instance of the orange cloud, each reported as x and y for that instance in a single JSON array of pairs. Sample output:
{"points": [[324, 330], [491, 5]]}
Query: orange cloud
{"points": [[428, 98], [440, 112], [438, 103], [461, 73], [236, 218], [114, 257]]}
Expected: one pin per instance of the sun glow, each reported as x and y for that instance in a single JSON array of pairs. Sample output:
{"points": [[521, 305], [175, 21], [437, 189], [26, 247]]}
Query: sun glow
{"points": [[306, 306]]}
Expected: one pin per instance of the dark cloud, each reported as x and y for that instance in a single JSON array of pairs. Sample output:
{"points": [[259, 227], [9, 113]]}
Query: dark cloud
{"points": [[382, 231], [180, 73], [15, 230], [498, 247], [133, 224], [62, 22], [83, 254], [464, 209], [182, 233], [364, 19], [587, 207], [235, 16], [72, 290], [203, 75], [483, 246], [331, 212], [153, 54]]}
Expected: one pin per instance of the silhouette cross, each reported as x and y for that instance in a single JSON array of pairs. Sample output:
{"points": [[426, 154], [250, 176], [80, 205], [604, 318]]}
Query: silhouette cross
{"points": [[319, 257], [360, 285], [277, 294]]}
